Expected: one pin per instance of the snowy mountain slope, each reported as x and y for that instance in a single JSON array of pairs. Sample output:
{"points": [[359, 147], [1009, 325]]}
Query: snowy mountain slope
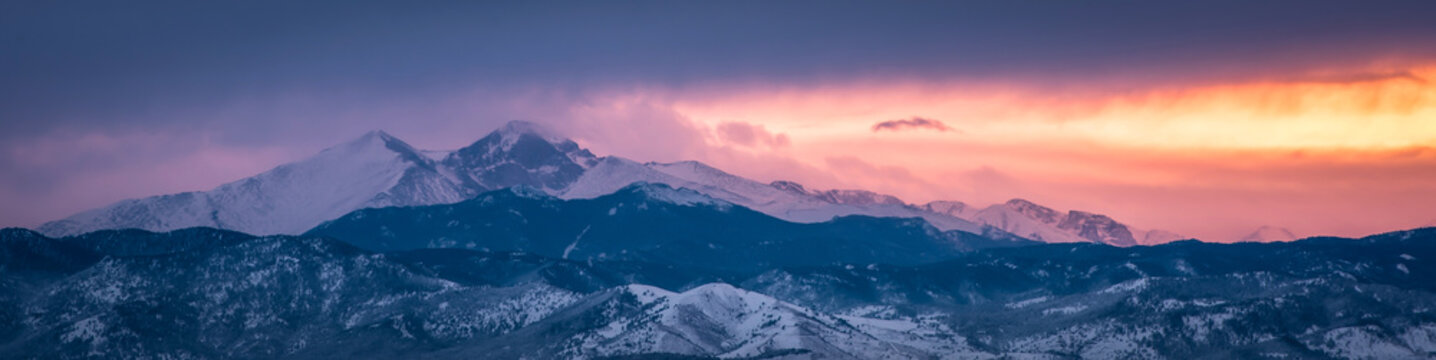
{"points": [[611, 173], [719, 320], [268, 297], [1313, 298], [205, 293], [955, 209], [373, 170], [782, 199], [1000, 276], [378, 170], [1030, 220], [1269, 234], [1036, 225], [288, 297]]}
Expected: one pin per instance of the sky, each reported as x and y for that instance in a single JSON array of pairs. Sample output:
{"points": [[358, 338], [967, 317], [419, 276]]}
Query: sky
{"points": [[1208, 119]]}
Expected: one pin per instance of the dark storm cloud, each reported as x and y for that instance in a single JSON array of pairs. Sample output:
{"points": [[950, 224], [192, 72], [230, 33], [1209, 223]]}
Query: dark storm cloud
{"points": [[293, 76], [914, 123], [105, 64]]}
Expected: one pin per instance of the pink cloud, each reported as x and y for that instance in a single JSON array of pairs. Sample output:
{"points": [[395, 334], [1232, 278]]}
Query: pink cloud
{"points": [[749, 135], [1021, 144]]}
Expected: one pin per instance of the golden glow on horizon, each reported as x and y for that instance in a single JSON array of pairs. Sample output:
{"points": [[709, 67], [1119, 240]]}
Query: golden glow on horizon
{"points": [[1387, 113], [1302, 154]]}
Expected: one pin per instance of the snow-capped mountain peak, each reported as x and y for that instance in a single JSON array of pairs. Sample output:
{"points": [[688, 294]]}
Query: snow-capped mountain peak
{"points": [[1155, 237], [376, 135], [862, 197], [789, 186], [1029, 220], [376, 144], [512, 130], [375, 169], [521, 152], [379, 137], [378, 169], [1270, 234], [951, 208], [1097, 227], [839, 196], [1031, 209]]}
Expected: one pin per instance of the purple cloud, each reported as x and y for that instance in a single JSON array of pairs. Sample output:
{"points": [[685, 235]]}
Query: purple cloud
{"points": [[912, 123], [750, 135]]}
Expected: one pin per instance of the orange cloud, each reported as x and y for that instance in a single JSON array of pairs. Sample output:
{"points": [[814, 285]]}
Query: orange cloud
{"points": [[1341, 153]]}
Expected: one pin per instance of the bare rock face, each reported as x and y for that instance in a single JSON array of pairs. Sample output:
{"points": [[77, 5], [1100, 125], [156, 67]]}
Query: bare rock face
{"points": [[1042, 213], [1098, 228], [859, 197], [521, 153], [1073, 225]]}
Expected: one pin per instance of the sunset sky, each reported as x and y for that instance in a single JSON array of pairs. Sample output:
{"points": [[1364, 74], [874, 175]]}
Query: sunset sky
{"points": [[1208, 119]]}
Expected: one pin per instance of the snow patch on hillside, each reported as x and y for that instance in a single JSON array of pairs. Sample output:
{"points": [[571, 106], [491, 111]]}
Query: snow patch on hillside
{"points": [[720, 320]]}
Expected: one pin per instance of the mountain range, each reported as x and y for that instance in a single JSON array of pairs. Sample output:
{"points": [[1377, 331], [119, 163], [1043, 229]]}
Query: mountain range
{"points": [[651, 222], [207, 293], [375, 170], [523, 245], [378, 170]]}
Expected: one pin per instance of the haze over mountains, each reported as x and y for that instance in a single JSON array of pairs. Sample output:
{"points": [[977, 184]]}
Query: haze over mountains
{"points": [[379, 170], [524, 245], [1270, 234]]}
